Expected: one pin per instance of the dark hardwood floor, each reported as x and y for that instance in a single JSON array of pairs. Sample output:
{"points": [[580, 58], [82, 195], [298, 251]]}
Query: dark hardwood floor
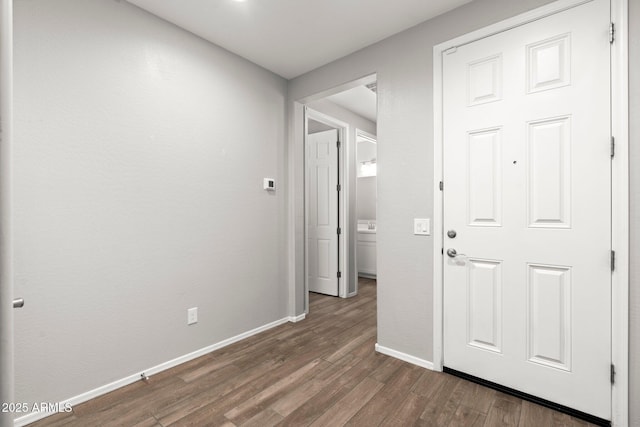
{"points": [[322, 371]]}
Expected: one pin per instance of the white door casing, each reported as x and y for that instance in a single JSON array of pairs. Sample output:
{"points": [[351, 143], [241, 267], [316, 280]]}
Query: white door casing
{"points": [[527, 178], [6, 230], [322, 179]]}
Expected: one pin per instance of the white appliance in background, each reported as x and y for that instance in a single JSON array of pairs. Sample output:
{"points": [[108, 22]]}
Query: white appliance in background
{"points": [[366, 248]]}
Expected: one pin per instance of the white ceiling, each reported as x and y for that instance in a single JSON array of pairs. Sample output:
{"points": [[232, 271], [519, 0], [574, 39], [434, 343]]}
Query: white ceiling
{"points": [[360, 100], [291, 37]]}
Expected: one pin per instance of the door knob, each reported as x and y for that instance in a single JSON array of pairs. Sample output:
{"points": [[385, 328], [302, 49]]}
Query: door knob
{"points": [[18, 303], [453, 253]]}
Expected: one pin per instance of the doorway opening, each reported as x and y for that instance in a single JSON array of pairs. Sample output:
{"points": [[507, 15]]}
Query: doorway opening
{"points": [[346, 115], [366, 204]]}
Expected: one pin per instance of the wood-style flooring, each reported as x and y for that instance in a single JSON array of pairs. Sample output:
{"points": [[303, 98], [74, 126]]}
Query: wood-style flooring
{"points": [[322, 371]]}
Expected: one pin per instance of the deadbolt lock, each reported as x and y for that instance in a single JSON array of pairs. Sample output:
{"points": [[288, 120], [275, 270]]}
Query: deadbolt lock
{"points": [[451, 233]]}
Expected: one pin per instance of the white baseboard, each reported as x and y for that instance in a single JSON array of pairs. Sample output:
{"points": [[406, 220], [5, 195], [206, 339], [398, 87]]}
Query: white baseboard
{"points": [[76, 400], [404, 356], [296, 319]]}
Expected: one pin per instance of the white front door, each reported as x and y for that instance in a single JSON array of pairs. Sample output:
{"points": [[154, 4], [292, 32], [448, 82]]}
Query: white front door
{"points": [[527, 190], [322, 219]]}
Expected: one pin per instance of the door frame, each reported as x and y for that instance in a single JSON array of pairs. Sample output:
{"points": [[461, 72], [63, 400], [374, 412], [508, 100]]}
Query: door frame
{"points": [[343, 208], [7, 371], [619, 190]]}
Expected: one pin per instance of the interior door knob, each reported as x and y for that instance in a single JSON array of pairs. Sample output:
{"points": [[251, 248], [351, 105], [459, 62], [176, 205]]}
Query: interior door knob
{"points": [[454, 254]]}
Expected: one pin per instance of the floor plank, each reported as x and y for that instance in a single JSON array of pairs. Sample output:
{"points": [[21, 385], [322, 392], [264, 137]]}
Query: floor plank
{"points": [[351, 403], [392, 395], [504, 412], [408, 412]]}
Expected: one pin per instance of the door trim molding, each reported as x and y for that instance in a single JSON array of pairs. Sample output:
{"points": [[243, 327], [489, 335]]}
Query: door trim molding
{"points": [[343, 214], [620, 212], [619, 191], [7, 357]]}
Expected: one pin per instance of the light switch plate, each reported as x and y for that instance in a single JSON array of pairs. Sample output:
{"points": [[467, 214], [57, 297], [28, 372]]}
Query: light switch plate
{"points": [[422, 226]]}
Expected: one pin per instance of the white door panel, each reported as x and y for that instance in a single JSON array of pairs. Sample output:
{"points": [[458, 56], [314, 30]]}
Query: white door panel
{"points": [[322, 178], [528, 191]]}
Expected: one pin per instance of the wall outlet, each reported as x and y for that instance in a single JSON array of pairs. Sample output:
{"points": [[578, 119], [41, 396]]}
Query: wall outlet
{"points": [[269, 184], [192, 316]]}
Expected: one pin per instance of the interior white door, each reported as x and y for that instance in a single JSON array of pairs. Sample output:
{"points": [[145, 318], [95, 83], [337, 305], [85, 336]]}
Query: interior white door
{"points": [[527, 190], [322, 219]]}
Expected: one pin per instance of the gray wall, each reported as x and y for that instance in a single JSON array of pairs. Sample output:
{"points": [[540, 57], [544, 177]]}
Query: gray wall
{"points": [[354, 121], [634, 214], [404, 68], [139, 159]]}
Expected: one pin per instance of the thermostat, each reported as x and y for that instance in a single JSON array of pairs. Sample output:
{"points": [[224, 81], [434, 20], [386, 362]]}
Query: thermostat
{"points": [[269, 184]]}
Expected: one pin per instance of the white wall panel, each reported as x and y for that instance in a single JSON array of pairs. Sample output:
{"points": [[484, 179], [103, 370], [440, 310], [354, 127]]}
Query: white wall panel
{"points": [[484, 155], [549, 64], [484, 80], [549, 315], [484, 304], [323, 255], [322, 203], [549, 173]]}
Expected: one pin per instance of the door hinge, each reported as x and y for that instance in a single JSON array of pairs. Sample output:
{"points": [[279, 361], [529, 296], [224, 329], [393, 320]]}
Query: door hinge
{"points": [[612, 33], [339, 230], [613, 147], [613, 260], [441, 186], [338, 143], [339, 274], [338, 187], [613, 374]]}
